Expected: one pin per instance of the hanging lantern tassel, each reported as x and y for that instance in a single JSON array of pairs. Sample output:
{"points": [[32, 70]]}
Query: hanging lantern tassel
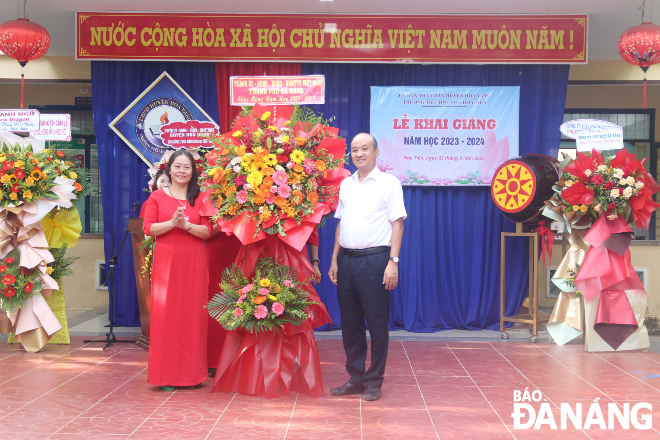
{"points": [[23, 87], [644, 88]]}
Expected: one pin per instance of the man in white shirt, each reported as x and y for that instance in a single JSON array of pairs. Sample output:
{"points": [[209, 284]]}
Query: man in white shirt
{"points": [[365, 264]]}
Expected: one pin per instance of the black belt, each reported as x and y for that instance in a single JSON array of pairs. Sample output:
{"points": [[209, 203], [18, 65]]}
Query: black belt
{"points": [[367, 251]]}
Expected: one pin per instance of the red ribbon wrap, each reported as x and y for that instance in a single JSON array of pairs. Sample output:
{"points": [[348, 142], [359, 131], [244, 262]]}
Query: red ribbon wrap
{"points": [[547, 240]]}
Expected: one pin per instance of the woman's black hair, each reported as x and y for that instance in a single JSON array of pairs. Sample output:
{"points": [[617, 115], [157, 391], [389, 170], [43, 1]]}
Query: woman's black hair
{"points": [[193, 185], [154, 187]]}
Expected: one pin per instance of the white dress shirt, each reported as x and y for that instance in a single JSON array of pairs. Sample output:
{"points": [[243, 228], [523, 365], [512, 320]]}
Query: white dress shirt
{"points": [[368, 208]]}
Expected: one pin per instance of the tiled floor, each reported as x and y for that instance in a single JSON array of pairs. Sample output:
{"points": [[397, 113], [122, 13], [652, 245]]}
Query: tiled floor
{"points": [[433, 390]]}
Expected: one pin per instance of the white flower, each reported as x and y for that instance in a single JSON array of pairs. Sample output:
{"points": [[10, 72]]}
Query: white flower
{"points": [[236, 168], [297, 186], [289, 165], [639, 185], [627, 192], [602, 168], [615, 192], [246, 186], [597, 208], [279, 168], [618, 173], [588, 173], [630, 180], [236, 160], [613, 216]]}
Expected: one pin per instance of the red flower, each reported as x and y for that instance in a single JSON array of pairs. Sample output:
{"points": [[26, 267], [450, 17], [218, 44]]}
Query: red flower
{"points": [[8, 279], [578, 194], [597, 180], [10, 260], [198, 161], [282, 158], [611, 206], [609, 185], [643, 205], [626, 171], [25, 271], [8, 165], [16, 187], [20, 174], [162, 166], [9, 292], [3, 268], [59, 153], [579, 165], [3, 171], [28, 287]]}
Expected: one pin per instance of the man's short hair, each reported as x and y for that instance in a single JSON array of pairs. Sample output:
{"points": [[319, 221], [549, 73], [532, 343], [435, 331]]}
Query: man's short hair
{"points": [[373, 139]]}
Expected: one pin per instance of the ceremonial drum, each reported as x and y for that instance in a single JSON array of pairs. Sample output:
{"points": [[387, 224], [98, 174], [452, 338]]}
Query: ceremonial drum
{"points": [[521, 185]]}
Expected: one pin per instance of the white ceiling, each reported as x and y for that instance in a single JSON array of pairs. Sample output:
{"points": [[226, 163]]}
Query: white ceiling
{"points": [[607, 18]]}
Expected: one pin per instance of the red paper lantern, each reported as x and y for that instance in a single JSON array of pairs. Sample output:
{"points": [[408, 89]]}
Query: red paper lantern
{"points": [[640, 45], [23, 41]]}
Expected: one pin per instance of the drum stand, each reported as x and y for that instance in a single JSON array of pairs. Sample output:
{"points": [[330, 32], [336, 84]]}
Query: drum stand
{"points": [[533, 318]]}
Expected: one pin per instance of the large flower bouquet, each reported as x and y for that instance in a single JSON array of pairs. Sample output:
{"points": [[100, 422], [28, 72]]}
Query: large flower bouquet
{"points": [[26, 176], [271, 298], [592, 185], [273, 169], [17, 284]]}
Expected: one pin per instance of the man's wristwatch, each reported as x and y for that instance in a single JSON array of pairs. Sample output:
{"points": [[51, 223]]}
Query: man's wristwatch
{"points": [[395, 259]]}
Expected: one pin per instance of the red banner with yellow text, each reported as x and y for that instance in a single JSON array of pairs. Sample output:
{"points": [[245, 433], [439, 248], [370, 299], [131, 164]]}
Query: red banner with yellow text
{"points": [[332, 37]]}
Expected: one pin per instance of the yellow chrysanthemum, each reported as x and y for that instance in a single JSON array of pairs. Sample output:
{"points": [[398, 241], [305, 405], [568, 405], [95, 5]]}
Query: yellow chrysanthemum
{"points": [[265, 116], [3, 158], [255, 178], [27, 194], [576, 208], [29, 181], [19, 164], [273, 128], [271, 297], [49, 270], [584, 208], [285, 139], [245, 162], [264, 282], [271, 160], [13, 196], [73, 175], [569, 182], [237, 134], [4, 178], [297, 156], [258, 166], [240, 150]]}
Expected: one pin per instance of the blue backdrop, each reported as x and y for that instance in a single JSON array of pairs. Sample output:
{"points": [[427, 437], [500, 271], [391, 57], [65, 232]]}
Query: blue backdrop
{"points": [[450, 257], [449, 270], [123, 173]]}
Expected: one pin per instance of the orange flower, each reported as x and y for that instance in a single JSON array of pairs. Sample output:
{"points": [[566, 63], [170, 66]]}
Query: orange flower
{"points": [[268, 171], [218, 175], [77, 186], [59, 153], [276, 288], [313, 198], [268, 181], [296, 197], [233, 209], [259, 299], [264, 216], [230, 190], [259, 199], [298, 168], [280, 201], [220, 199], [301, 141], [320, 165]]}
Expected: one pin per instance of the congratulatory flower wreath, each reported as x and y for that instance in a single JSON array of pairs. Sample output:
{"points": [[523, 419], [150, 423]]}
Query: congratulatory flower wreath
{"points": [[271, 298], [272, 168]]}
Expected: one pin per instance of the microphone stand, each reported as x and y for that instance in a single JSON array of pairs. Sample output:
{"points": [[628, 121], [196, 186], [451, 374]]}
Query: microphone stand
{"points": [[110, 337]]}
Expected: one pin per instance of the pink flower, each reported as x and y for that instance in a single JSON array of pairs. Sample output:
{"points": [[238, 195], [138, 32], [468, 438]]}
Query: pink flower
{"points": [[288, 283], [246, 186], [278, 308], [241, 299], [238, 312], [264, 291], [261, 312], [236, 168], [315, 185], [247, 288], [242, 196], [270, 199], [289, 165], [280, 177], [284, 191], [309, 165], [239, 180]]}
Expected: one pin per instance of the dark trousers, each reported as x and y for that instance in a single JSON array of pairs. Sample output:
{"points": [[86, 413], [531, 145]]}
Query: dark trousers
{"points": [[361, 295]]}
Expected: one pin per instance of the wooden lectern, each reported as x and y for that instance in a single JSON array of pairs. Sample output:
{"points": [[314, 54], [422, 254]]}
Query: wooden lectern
{"points": [[143, 282]]}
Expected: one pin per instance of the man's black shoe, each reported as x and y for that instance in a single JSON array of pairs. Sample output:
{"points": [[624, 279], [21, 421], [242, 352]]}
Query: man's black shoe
{"points": [[348, 388], [371, 393]]}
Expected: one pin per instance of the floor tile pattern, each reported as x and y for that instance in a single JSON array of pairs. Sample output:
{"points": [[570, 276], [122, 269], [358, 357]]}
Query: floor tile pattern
{"points": [[432, 390]]}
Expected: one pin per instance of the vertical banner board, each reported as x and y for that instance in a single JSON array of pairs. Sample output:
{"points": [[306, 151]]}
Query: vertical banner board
{"points": [[444, 136]]}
